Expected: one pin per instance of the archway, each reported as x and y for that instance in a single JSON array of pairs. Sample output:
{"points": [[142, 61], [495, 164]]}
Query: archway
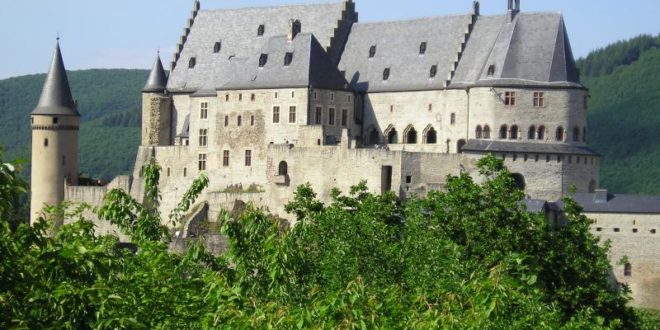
{"points": [[410, 135], [392, 135], [430, 135], [519, 181]]}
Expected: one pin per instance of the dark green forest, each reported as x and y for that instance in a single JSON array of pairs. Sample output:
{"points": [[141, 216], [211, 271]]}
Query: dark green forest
{"points": [[624, 115], [109, 102]]}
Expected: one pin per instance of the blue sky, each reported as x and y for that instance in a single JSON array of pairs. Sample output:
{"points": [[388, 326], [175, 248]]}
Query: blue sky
{"points": [[127, 33]]}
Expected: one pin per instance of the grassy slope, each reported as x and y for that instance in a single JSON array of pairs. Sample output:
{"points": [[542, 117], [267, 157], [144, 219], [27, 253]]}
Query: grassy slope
{"points": [[107, 147], [624, 121]]}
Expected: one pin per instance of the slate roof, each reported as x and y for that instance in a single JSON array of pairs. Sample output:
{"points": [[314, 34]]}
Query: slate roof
{"points": [[618, 203], [310, 66], [157, 81], [397, 47], [531, 50], [485, 146], [237, 31], [56, 98]]}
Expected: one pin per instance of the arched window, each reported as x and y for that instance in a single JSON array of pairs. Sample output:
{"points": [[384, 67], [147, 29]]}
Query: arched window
{"points": [[559, 135], [627, 269], [541, 133], [519, 181], [392, 135], [410, 135], [486, 132], [576, 134], [459, 146], [503, 130], [514, 133], [430, 135], [479, 132], [283, 169], [531, 134]]}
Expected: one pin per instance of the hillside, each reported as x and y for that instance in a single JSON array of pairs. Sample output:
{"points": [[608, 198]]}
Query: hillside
{"points": [[109, 102], [624, 113]]}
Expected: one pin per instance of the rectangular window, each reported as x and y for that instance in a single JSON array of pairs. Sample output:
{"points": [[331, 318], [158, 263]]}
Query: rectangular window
{"points": [[253, 97], [168, 171], [332, 96], [331, 116], [292, 114], [319, 114], [225, 158], [240, 97], [56, 120], [226, 121], [452, 119], [276, 115], [202, 162], [204, 110], [227, 97], [510, 98], [251, 120], [344, 117], [203, 139], [539, 99], [248, 157], [185, 172]]}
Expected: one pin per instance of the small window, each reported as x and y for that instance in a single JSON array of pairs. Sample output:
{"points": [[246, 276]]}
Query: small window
{"points": [[225, 158], [203, 137], [293, 94], [227, 97], [45, 142], [386, 74], [276, 115], [331, 116], [248, 157], [539, 99], [478, 132], [372, 51], [263, 59], [408, 178], [486, 132], [430, 107], [288, 57], [627, 269], [634, 230], [616, 230], [531, 133], [253, 97], [559, 134], [168, 171], [56, 120], [452, 119], [252, 120], [276, 94], [599, 229], [344, 117], [503, 131], [652, 231], [540, 133], [292, 114], [261, 30], [185, 172], [348, 98], [422, 48], [283, 169], [202, 162], [192, 62], [217, 47], [240, 96], [510, 98], [239, 120], [203, 110], [491, 70], [332, 96], [318, 116], [226, 121], [433, 72], [513, 135]]}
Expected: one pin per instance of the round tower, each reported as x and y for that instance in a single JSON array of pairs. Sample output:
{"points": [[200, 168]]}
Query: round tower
{"points": [[156, 108], [55, 123]]}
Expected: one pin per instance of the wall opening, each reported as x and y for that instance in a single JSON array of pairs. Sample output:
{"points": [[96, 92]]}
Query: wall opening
{"points": [[519, 181], [459, 146], [386, 179], [283, 169]]}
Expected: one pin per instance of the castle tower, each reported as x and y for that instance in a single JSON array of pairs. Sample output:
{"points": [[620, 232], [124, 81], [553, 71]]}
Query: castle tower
{"points": [[55, 123], [156, 108]]}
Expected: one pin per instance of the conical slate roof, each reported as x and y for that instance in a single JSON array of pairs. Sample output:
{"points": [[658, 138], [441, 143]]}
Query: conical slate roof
{"points": [[157, 81], [56, 96]]}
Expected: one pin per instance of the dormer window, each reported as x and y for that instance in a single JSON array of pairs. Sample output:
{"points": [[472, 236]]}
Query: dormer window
{"points": [[192, 62], [372, 51], [217, 47], [386, 74], [433, 72], [288, 57], [261, 30], [491, 70], [422, 48], [263, 59]]}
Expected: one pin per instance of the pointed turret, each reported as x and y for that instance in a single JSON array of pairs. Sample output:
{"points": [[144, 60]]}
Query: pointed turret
{"points": [[56, 96], [157, 82]]}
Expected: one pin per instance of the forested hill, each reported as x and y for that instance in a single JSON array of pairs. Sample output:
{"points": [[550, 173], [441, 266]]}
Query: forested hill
{"points": [[109, 102], [624, 113]]}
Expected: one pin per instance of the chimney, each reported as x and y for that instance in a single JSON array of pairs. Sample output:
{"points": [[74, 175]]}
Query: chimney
{"points": [[294, 28], [601, 196], [513, 9]]}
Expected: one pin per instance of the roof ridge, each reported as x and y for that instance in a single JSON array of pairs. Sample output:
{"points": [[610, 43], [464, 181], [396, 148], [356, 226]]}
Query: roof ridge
{"points": [[272, 7]]}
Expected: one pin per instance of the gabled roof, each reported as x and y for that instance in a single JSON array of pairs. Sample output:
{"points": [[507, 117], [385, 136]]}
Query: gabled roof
{"points": [[237, 31], [157, 81], [56, 96], [533, 49], [398, 48], [486, 146], [310, 66]]}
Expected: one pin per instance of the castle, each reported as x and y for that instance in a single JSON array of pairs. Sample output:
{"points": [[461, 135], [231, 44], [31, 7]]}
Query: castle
{"points": [[263, 100]]}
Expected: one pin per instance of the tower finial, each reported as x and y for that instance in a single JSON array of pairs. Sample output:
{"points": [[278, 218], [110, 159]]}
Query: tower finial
{"points": [[58, 36]]}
